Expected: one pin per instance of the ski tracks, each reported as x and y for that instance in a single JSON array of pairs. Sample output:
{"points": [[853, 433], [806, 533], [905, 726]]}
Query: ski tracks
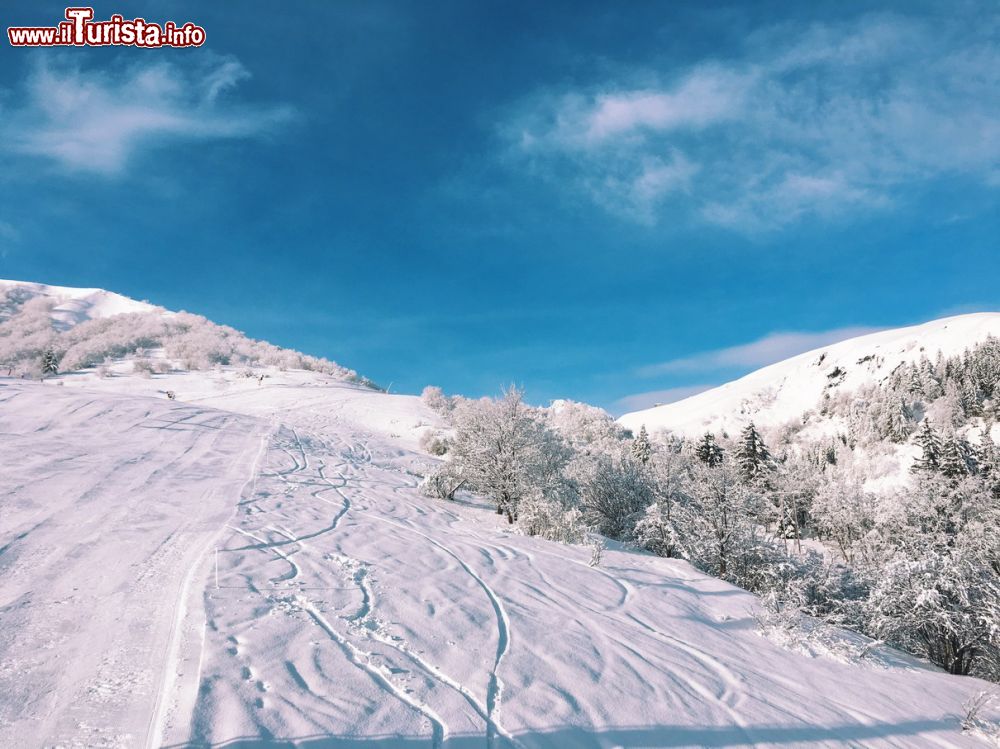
{"points": [[353, 469], [494, 692]]}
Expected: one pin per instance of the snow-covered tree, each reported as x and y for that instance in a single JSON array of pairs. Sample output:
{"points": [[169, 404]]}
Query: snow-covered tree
{"points": [[930, 448], [752, 456], [435, 399], [50, 363], [846, 514], [953, 462], [642, 450], [708, 450], [658, 529], [721, 528], [896, 420], [503, 449]]}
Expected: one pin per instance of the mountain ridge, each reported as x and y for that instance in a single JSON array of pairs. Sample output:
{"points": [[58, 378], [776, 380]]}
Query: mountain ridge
{"points": [[788, 389]]}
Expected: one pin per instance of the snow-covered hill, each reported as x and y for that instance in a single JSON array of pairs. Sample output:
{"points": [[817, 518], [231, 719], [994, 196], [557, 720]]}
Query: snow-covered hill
{"points": [[86, 329], [783, 392], [74, 306]]}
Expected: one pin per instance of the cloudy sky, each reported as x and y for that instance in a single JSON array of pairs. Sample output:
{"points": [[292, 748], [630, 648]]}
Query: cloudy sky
{"points": [[618, 203]]}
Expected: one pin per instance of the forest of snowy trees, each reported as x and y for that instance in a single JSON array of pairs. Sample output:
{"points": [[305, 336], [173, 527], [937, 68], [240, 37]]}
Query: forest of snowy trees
{"points": [[30, 345], [916, 565]]}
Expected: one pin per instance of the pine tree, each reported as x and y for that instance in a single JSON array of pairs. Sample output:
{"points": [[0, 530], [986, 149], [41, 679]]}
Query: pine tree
{"points": [[50, 363], [930, 446], [752, 456], [914, 382], [988, 463], [953, 463], [642, 450], [896, 421], [970, 398], [708, 451]]}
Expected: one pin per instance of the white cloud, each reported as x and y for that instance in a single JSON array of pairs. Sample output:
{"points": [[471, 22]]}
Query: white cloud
{"points": [[91, 121], [639, 194], [822, 121], [772, 348], [639, 401], [705, 97]]}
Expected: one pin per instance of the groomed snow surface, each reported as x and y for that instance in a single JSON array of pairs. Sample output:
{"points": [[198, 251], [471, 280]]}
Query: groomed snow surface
{"points": [[255, 568]]}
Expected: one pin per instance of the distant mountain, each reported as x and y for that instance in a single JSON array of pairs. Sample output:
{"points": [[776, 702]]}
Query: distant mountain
{"points": [[787, 391]]}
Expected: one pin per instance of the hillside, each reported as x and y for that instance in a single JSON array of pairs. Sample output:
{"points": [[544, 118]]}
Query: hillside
{"points": [[784, 392], [349, 610], [71, 306], [242, 555], [92, 329]]}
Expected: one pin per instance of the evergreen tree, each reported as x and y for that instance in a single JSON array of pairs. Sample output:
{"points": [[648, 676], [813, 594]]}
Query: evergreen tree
{"points": [[930, 446], [896, 420], [988, 463], [914, 382], [642, 450], [752, 456], [50, 363], [970, 398], [708, 451], [953, 463]]}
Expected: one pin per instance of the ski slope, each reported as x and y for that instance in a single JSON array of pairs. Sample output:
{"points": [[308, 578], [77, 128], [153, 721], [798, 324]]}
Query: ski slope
{"points": [[106, 503], [154, 594], [783, 392]]}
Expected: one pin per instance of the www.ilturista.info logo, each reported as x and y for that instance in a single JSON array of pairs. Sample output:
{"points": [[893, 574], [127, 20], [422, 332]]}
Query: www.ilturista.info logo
{"points": [[80, 30]]}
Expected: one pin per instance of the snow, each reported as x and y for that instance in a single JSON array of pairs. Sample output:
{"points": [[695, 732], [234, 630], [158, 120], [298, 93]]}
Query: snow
{"points": [[78, 305], [107, 502], [783, 392], [348, 610], [252, 564]]}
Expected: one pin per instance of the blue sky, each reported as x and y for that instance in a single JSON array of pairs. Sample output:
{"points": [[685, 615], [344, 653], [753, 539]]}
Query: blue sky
{"points": [[617, 203]]}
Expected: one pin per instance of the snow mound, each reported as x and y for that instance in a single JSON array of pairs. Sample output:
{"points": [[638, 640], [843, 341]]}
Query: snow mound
{"points": [[785, 391]]}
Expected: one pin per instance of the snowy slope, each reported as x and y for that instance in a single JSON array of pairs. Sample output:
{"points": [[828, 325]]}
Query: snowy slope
{"points": [[350, 611], [106, 502], [784, 391], [77, 305], [252, 565]]}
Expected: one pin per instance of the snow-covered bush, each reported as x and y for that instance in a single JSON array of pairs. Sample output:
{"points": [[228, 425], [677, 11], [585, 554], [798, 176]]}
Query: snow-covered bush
{"points": [[548, 518], [434, 442], [940, 604], [615, 495], [442, 482], [435, 399]]}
